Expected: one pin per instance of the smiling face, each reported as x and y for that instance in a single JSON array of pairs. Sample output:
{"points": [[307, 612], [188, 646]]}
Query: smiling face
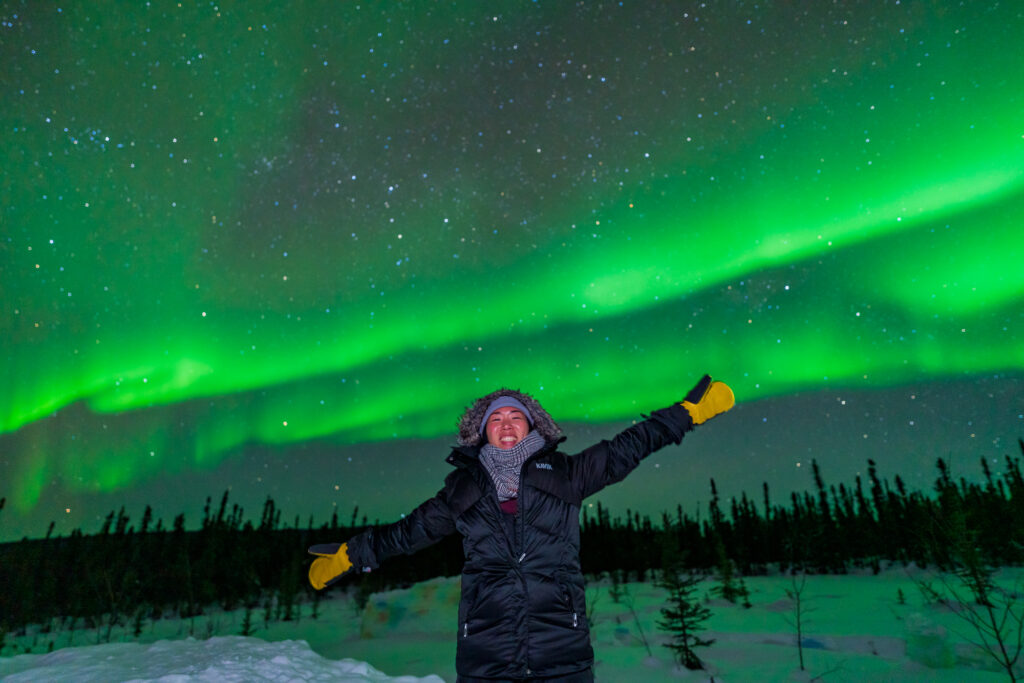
{"points": [[506, 427]]}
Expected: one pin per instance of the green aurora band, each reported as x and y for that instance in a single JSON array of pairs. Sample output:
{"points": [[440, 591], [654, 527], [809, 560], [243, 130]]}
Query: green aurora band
{"points": [[233, 226]]}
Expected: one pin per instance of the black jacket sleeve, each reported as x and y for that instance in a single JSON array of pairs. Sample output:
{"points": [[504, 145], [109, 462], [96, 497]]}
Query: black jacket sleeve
{"points": [[609, 462], [424, 526]]}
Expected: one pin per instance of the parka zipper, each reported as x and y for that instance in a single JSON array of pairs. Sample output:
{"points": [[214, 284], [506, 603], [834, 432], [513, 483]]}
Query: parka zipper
{"points": [[521, 521]]}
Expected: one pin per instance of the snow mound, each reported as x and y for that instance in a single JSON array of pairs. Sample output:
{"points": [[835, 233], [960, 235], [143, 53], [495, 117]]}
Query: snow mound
{"points": [[227, 658], [428, 607]]}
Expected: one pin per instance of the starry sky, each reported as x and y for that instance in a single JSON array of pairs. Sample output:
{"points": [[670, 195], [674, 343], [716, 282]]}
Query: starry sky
{"points": [[279, 247]]}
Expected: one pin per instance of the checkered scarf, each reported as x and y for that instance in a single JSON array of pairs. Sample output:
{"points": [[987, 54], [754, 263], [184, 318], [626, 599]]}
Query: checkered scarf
{"points": [[504, 465]]}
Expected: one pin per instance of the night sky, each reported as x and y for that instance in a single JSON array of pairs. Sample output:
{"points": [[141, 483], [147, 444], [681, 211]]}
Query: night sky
{"points": [[278, 247]]}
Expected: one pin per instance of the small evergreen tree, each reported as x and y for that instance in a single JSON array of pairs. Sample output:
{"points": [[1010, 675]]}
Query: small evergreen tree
{"points": [[247, 625], [138, 621], [731, 586], [684, 616]]}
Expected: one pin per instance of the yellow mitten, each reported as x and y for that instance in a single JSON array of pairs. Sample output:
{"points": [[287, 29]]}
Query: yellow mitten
{"points": [[708, 399], [330, 565]]}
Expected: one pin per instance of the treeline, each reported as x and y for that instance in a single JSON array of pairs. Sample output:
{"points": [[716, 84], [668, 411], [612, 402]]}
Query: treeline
{"points": [[126, 573], [829, 530]]}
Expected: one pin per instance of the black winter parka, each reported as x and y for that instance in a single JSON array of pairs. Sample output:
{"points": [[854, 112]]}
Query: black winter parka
{"points": [[522, 613]]}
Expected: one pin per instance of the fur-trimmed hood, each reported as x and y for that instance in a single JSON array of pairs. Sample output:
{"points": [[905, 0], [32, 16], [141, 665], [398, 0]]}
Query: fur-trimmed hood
{"points": [[469, 423]]}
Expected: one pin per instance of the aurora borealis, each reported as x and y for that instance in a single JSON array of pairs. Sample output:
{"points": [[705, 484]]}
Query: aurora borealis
{"points": [[241, 235]]}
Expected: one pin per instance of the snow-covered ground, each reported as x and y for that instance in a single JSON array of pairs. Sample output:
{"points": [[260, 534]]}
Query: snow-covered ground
{"points": [[221, 658], [856, 628]]}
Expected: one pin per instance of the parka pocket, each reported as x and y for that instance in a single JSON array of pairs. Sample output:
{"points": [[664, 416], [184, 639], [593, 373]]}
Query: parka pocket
{"points": [[467, 605], [570, 603], [481, 606]]}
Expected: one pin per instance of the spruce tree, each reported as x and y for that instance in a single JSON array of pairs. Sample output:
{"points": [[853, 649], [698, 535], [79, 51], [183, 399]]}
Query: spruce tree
{"points": [[247, 625], [684, 616], [731, 587]]}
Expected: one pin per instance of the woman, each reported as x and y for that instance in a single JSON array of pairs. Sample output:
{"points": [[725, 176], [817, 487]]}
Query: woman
{"points": [[515, 499]]}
